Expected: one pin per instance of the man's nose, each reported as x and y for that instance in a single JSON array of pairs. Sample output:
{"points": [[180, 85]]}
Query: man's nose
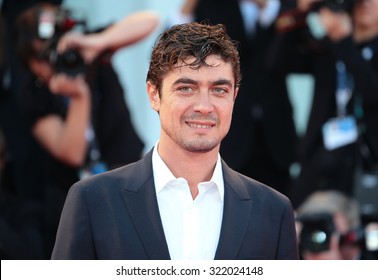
{"points": [[204, 103]]}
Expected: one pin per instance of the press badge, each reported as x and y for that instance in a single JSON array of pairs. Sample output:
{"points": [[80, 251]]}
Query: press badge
{"points": [[91, 169], [338, 132]]}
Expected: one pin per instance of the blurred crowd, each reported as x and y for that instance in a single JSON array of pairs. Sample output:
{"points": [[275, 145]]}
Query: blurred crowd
{"points": [[64, 116]]}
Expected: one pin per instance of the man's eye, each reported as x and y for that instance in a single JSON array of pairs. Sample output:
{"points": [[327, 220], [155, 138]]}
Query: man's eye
{"points": [[219, 90], [186, 89]]}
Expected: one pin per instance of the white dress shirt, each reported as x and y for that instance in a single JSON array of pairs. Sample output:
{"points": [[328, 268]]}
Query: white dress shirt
{"points": [[191, 227], [252, 14]]}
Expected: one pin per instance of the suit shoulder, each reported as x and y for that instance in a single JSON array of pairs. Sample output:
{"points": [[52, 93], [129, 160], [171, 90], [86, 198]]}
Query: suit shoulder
{"points": [[258, 190], [109, 180]]}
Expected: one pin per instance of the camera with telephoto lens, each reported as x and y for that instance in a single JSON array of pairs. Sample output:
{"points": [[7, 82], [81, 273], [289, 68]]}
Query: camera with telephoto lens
{"points": [[52, 25], [317, 230]]}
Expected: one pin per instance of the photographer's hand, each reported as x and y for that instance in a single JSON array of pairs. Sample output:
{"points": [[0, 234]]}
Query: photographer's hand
{"points": [[74, 87], [338, 25], [89, 46]]}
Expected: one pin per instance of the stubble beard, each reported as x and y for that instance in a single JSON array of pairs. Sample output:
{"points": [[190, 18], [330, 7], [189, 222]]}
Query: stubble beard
{"points": [[199, 145]]}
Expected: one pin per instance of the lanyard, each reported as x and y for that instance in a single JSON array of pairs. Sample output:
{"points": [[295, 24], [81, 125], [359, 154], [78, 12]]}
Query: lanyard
{"points": [[94, 164], [93, 152], [343, 90]]}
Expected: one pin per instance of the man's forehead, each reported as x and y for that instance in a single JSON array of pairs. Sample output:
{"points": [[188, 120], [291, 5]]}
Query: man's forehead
{"points": [[210, 60]]}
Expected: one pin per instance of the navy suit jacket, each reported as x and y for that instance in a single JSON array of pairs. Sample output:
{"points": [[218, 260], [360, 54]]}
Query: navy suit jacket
{"points": [[115, 215]]}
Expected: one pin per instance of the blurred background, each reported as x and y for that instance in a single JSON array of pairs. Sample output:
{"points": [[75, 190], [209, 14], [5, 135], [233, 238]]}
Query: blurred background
{"points": [[271, 127]]}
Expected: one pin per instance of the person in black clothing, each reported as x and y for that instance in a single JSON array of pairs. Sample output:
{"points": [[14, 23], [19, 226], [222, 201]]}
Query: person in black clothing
{"points": [[21, 158], [81, 119], [344, 63], [25, 155]]}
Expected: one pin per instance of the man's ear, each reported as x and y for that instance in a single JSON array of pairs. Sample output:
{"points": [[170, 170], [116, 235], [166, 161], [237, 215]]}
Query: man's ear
{"points": [[153, 96], [236, 93]]}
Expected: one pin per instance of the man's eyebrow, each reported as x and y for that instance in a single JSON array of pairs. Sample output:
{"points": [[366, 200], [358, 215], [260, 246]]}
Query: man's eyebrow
{"points": [[214, 83], [222, 82], [185, 81]]}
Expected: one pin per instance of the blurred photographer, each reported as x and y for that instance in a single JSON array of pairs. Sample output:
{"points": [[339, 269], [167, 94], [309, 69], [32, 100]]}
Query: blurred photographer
{"points": [[337, 43], [329, 228], [74, 101]]}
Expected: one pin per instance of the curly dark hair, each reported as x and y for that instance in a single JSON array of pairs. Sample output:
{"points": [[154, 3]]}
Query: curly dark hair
{"points": [[198, 40]]}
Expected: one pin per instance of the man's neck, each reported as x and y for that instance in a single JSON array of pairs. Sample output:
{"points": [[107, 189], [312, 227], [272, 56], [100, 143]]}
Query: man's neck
{"points": [[194, 167]]}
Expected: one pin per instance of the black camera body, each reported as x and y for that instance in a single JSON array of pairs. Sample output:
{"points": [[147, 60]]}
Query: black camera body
{"points": [[69, 62], [317, 230], [52, 25]]}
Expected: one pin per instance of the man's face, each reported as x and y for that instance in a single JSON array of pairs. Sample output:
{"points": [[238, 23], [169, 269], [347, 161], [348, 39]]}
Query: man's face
{"points": [[195, 105], [365, 13]]}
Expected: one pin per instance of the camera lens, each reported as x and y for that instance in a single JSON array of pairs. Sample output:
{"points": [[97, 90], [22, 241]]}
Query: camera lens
{"points": [[318, 237], [70, 58], [316, 232], [70, 62]]}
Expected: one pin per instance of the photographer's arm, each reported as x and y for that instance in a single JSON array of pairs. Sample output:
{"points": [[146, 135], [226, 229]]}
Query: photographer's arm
{"points": [[127, 31], [65, 139]]}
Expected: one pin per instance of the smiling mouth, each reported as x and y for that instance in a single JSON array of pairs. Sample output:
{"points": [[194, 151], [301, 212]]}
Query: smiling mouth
{"points": [[200, 126]]}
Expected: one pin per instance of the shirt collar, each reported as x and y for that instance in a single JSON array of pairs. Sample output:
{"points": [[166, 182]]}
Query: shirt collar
{"points": [[165, 175]]}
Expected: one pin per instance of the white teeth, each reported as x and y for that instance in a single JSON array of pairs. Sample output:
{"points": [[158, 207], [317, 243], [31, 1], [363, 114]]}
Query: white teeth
{"points": [[199, 125]]}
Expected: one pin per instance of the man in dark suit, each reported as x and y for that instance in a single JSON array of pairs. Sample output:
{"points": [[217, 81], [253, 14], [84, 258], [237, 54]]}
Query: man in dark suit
{"points": [[181, 201]]}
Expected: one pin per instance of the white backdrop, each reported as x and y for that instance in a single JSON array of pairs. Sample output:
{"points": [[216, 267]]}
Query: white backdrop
{"points": [[131, 63]]}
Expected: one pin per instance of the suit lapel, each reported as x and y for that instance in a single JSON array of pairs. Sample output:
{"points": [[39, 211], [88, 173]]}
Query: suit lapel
{"points": [[236, 215], [141, 202]]}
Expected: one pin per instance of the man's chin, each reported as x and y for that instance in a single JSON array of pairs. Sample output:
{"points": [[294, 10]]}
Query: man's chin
{"points": [[201, 148]]}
